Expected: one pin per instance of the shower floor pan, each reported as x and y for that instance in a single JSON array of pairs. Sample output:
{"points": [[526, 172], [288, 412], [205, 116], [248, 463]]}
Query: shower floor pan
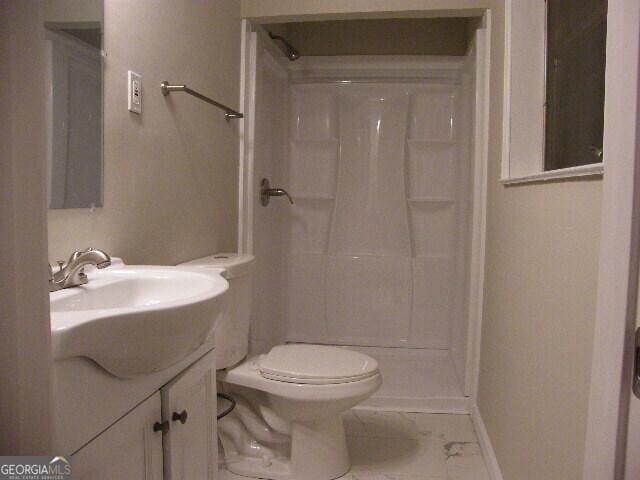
{"points": [[418, 380]]}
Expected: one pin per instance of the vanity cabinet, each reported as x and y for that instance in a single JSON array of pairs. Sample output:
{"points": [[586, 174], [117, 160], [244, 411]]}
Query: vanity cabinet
{"points": [[189, 404], [129, 449], [171, 435]]}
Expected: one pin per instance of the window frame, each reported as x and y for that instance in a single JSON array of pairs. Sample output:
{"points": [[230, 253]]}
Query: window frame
{"points": [[524, 100]]}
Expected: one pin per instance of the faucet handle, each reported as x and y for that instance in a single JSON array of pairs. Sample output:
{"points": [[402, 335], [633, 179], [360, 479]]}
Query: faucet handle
{"points": [[266, 192], [72, 257], [52, 268]]}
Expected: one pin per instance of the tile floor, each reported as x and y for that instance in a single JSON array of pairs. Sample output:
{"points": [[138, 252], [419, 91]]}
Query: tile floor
{"points": [[410, 446]]}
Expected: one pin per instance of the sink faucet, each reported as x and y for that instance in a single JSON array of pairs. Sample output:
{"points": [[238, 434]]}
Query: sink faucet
{"points": [[71, 273]]}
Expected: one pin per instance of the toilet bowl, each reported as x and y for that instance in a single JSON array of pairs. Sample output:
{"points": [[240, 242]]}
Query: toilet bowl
{"points": [[287, 423], [300, 392]]}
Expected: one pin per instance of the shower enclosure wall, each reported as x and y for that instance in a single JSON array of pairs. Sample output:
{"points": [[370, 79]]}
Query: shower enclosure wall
{"points": [[375, 254]]}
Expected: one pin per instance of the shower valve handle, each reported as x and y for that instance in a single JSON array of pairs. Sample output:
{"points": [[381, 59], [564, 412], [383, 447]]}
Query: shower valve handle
{"points": [[266, 192], [278, 192]]}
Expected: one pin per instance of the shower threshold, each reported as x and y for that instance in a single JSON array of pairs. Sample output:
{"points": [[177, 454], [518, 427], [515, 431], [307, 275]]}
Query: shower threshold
{"points": [[417, 380]]}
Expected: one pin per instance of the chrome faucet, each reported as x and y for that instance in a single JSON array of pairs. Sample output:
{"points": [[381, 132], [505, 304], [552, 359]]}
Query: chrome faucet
{"points": [[71, 273]]}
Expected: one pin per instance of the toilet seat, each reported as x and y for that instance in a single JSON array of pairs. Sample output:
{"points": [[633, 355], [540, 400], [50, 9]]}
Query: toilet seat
{"points": [[247, 374], [316, 365]]}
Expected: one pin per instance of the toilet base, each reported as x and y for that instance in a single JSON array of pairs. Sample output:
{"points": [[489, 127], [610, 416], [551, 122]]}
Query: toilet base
{"points": [[318, 450], [276, 469]]}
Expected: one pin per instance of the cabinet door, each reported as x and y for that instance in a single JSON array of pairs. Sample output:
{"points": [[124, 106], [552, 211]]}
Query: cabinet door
{"points": [[128, 449], [189, 404]]}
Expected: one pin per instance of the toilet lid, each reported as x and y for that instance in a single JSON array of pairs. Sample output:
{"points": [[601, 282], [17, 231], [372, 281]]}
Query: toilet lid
{"points": [[316, 364]]}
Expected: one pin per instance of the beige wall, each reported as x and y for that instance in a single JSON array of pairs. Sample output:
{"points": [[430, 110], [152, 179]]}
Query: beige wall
{"points": [[416, 36], [540, 286], [539, 312], [65, 11], [170, 174], [537, 337]]}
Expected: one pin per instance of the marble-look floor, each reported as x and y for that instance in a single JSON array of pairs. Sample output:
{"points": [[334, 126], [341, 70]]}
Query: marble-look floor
{"points": [[410, 446]]}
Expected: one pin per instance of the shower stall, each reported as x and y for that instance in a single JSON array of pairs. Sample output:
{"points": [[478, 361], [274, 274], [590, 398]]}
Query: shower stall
{"points": [[381, 250]]}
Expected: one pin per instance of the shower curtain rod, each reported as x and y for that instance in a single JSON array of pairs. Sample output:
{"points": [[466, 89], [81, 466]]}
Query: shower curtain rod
{"points": [[229, 113]]}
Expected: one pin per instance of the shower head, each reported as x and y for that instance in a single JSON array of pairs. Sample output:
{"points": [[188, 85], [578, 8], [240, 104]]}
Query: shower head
{"points": [[292, 53]]}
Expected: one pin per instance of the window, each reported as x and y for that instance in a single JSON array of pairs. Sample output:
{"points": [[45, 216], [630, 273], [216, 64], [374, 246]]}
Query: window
{"points": [[574, 113], [554, 104]]}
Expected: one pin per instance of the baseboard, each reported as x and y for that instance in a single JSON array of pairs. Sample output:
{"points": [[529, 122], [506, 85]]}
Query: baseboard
{"points": [[488, 453]]}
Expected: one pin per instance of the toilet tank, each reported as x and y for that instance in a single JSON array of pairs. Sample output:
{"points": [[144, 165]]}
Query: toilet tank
{"points": [[231, 335]]}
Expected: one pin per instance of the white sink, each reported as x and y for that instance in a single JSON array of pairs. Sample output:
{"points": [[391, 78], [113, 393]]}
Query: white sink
{"points": [[136, 320]]}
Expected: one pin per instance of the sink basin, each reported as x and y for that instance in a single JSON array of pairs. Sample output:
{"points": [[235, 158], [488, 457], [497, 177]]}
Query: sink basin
{"points": [[136, 320]]}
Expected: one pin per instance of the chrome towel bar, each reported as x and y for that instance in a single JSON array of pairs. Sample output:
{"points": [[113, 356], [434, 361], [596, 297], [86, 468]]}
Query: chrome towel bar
{"points": [[229, 113]]}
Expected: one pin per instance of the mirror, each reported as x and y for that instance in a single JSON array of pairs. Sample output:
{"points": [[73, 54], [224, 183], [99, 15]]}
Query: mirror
{"points": [[74, 103]]}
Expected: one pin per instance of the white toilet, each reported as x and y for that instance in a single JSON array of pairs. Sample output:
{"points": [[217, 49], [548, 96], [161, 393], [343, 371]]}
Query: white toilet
{"points": [[287, 423]]}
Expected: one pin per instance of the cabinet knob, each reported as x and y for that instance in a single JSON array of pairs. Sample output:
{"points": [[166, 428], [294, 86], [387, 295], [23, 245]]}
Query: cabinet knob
{"points": [[182, 416], [161, 427]]}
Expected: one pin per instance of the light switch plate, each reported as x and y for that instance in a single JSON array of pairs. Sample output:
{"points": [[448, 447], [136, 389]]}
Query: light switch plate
{"points": [[134, 92]]}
